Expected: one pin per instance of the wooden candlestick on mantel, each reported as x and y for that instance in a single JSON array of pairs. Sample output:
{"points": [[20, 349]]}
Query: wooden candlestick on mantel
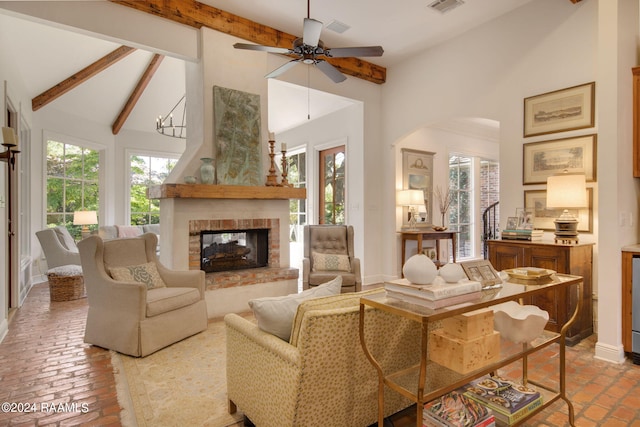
{"points": [[272, 178], [284, 182]]}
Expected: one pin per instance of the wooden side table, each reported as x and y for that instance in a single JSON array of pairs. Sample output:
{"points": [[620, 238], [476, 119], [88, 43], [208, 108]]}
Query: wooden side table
{"points": [[420, 235]]}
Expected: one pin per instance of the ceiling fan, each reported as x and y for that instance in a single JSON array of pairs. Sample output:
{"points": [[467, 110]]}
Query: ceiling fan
{"points": [[310, 50]]}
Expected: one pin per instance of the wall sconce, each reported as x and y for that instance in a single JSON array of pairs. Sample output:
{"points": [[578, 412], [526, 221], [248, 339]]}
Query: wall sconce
{"points": [[10, 142], [412, 199], [85, 219], [566, 191]]}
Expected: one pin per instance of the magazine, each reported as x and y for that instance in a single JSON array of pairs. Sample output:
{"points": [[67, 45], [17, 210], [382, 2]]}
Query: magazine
{"points": [[457, 410]]}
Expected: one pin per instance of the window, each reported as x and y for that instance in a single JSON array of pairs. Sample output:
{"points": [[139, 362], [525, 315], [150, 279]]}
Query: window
{"points": [[460, 212], [489, 196], [146, 171], [474, 184], [297, 176], [332, 186], [72, 183]]}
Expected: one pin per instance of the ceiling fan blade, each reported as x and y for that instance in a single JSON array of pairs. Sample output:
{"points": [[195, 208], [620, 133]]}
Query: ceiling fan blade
{"points": [[343, 52], [281, 69], [311, 32], [261, 48], [332, 72]]}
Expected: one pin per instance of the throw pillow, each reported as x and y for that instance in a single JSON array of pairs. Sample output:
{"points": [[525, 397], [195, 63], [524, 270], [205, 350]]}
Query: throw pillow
{"points": [[128, 231], [143, 273], [331, 262], [275, 314], [65, 238]]}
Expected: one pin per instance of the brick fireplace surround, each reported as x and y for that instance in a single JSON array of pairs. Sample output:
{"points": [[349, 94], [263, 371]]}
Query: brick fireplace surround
{"points": [[187, 209], [228, 279]]}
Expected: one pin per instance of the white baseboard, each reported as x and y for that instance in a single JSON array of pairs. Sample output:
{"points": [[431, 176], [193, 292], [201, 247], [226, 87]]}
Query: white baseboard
{"points": [[4, 329], [609, 353]]}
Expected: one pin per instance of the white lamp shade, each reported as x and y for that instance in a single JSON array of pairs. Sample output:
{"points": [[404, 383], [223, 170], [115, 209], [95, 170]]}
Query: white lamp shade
{"points": [[9, 137], [85, 218], [567, 191], [410, 197]]}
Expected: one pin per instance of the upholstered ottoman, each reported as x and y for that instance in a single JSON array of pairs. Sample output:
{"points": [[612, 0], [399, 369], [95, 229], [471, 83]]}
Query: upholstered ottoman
{"points": [[66, 283]]}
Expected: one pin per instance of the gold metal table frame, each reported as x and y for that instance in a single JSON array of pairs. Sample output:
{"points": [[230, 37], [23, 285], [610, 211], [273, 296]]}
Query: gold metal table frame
{"points": [[416, 390]]}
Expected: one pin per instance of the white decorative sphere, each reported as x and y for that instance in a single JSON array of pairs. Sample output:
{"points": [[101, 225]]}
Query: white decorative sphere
{"points": [[420, 270], [452, 272]]}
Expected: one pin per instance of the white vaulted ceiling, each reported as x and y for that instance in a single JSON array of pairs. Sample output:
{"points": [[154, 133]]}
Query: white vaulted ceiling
{"points": [[46, 55]]}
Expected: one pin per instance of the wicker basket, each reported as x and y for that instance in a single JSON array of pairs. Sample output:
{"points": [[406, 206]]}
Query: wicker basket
{"points": [[66, 283]]}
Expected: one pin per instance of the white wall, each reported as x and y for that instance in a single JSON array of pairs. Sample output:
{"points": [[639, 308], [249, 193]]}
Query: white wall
{"points": [[342, 127], [443, 143], [544, 46]]}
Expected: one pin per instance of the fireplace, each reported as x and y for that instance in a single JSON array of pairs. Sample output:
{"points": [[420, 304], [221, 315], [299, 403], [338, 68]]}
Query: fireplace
{"points": [[225, 250]]}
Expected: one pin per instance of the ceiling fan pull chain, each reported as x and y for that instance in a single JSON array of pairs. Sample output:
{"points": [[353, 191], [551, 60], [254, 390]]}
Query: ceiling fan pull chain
{"points": [[308, 93]]}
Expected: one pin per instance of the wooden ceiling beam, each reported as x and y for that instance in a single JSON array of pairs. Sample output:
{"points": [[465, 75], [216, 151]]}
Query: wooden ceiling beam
{"points": [[196, 14], [80, 77], [137, 92]]}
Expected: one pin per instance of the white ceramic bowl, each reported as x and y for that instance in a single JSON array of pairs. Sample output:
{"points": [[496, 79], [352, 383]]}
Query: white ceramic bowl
{"points": [[519, 323]]}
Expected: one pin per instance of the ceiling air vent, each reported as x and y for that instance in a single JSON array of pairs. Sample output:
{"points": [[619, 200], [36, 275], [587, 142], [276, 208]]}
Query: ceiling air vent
{"points": [[337, 26], [444, 6]]}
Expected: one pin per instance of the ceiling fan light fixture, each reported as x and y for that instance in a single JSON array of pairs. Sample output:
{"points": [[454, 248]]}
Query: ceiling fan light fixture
{"points": [[311, 51]]}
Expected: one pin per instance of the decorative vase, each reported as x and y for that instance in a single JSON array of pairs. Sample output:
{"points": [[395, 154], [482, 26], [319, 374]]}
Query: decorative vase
{"points": [[207, 171], [420, 270]]}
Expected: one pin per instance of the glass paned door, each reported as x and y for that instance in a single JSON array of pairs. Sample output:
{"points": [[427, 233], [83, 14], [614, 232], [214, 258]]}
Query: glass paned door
{"points": [[332, 186]]}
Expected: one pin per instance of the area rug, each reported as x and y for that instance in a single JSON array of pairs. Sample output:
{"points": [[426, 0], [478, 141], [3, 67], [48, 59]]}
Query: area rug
{"points": [[183, 384]]}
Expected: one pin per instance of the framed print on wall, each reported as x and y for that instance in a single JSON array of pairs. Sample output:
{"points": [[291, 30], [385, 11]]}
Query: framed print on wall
{"points": [[560, 110], [417, 174], [543, 216], [546, 158]]}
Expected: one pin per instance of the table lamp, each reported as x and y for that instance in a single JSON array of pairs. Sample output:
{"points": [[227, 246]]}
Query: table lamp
{"points": [[412, 199], [85, 219], [566, 191]]}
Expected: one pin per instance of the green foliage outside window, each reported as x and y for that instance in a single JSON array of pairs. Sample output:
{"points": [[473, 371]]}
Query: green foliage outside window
{"points": [[146, 171], [334, 196], [297, 175], [72, 184]]}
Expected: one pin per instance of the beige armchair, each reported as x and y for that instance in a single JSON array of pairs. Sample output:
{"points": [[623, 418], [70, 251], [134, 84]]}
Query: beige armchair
{"points": [[328, 252], [322, 376], [133, 317], [58, 246]]}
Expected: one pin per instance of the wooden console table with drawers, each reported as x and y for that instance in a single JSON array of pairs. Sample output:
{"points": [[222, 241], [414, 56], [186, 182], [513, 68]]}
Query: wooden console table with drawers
{"points": [[576, 259]]}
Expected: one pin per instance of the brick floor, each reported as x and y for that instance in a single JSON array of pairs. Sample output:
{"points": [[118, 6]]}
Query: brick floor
{"points": [[45, 365], [43, 362]]}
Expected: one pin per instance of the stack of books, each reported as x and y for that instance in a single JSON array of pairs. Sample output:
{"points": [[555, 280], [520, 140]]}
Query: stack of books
{"points": [[508, 401], [456, 410], [530, 235], [434, 296]]}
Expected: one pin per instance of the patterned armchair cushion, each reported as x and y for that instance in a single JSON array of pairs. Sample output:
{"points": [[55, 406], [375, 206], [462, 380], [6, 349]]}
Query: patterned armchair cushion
{"points": [[275, 314], [144, 273], [65, 238], [330, 262]]}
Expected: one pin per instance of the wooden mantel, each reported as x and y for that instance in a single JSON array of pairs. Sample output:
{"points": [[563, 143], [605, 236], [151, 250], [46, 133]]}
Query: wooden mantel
{"points": [[208, 191]]}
